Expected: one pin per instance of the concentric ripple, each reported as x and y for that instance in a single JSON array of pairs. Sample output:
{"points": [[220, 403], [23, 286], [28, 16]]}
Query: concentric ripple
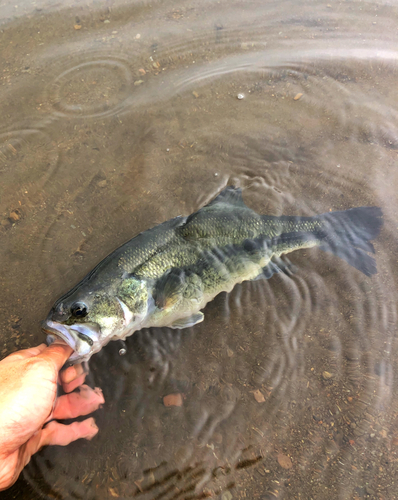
{"points": [[91, 89]]}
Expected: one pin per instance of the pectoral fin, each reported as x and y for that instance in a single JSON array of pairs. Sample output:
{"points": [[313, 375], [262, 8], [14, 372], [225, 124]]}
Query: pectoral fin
{"points": [[169, 288], [187, 322]]}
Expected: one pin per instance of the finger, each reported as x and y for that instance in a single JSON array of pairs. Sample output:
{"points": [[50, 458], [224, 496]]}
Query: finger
{"points": [[56, 433], [78, 403], [57, 354], [25, 353], [60, 434], [75, 383], [70, 373]]}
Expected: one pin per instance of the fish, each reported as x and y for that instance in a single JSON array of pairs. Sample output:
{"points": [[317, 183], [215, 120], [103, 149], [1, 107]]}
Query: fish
{"points": [[165, 276]]}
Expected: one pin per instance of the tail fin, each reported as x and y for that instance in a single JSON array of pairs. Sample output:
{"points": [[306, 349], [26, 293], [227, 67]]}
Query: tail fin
{"points": [[348, 235]]}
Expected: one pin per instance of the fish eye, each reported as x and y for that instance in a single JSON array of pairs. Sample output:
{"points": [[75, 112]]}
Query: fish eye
{"points": [[79, 310]]}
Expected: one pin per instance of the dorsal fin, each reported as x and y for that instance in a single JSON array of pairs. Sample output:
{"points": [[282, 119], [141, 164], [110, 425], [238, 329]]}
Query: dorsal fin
{"points": [[230, 195], [207, 223]]}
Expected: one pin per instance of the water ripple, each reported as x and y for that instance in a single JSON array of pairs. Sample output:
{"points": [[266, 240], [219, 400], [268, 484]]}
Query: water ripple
{"points": [[288, 385], [91, 89]]}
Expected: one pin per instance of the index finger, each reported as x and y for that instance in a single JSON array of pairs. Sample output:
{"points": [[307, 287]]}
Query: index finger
{"points": [[71, 373]]}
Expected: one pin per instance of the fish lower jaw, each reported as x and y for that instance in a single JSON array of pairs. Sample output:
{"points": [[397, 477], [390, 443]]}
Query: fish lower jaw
{"points": [[56, 333], [82, 350]]}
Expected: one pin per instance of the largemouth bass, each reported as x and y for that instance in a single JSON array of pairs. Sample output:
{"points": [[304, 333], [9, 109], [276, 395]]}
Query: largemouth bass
{"points": [[165, 276]]}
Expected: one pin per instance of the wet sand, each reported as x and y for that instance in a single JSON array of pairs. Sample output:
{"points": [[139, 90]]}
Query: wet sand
{"points": [[117, 118]]}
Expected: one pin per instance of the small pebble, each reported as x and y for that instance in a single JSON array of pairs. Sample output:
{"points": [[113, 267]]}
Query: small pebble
{"points": [[106, 21], [173, 400], [195, 94], [137, 36], [327, 375], [113, 492], [298, 96], [240, 96], [77, 26], [141, 71], [215, 174], [226, 496], [15, 215], [138, 82], [122, 351], [284, 461], [102, 184], [259, 396]]}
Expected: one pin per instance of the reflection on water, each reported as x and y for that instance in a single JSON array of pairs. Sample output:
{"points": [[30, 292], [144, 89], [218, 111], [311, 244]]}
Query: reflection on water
{"points": [[118, 117]]}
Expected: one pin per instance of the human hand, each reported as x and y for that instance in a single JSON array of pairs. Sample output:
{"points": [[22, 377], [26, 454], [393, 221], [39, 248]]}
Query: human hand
{"points": [[28, 390]]}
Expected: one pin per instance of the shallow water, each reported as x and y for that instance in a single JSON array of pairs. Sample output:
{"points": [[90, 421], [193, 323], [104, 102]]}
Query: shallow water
{"points": [[117, 116]]}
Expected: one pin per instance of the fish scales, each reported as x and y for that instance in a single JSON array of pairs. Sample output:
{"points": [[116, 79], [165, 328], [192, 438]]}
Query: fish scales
{"points": [[219, 233], [166, 275], [130, 256]]}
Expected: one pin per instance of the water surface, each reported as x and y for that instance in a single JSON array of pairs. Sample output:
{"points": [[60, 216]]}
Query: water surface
{"points": [[117, 116]]}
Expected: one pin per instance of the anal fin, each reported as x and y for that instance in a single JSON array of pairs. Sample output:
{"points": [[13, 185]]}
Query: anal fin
{"points": [[284, 265]]}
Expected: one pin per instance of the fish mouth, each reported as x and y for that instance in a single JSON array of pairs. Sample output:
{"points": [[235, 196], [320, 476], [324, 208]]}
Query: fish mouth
{"points": [[82, 338]]}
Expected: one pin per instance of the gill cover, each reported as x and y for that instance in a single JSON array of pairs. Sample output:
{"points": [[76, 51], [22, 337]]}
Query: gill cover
{"points": [[87, 322]]}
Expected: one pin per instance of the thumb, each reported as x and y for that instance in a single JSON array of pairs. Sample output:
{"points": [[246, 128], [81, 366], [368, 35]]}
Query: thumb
{"points": [[57, 354]]}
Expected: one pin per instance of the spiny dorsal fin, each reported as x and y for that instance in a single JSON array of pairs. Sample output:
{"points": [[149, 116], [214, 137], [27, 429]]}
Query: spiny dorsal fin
{"points": [[206, 223], [230, 195]]}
